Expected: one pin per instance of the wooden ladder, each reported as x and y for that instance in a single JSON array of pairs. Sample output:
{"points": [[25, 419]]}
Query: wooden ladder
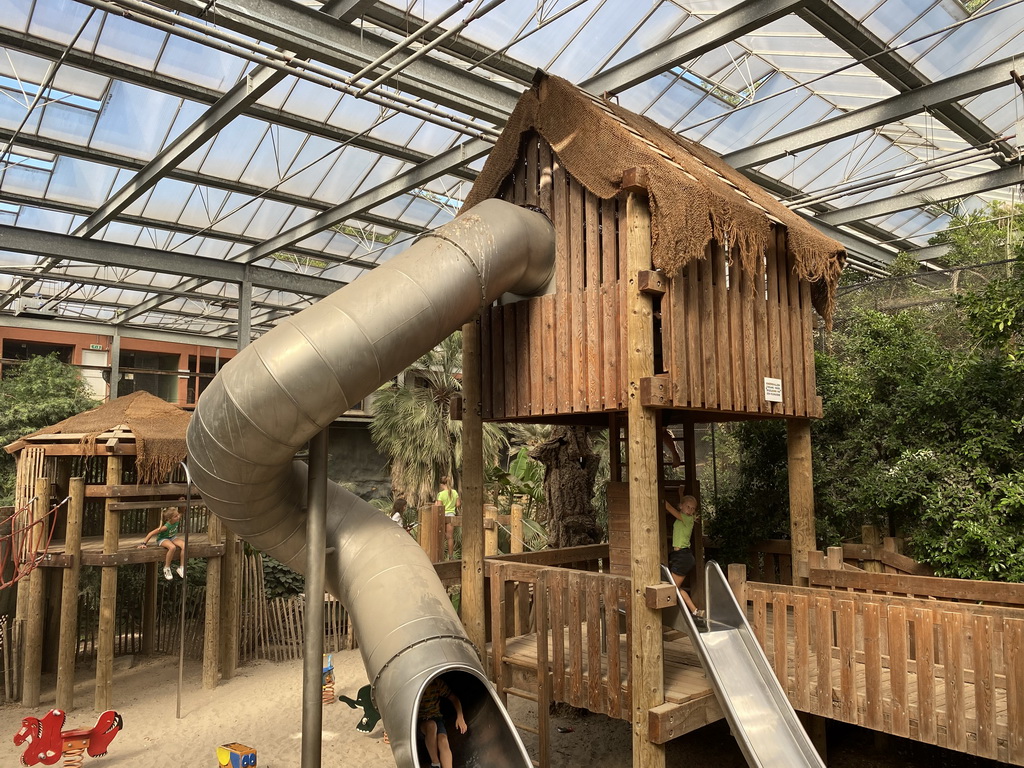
{"points": [[516, 681]]}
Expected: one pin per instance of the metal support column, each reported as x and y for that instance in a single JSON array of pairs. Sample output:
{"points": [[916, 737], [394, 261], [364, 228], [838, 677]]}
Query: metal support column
{"points": [[313, 619]]}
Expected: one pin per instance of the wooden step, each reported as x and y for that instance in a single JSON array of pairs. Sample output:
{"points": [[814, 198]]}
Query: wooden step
{"points": [[527, 728]]}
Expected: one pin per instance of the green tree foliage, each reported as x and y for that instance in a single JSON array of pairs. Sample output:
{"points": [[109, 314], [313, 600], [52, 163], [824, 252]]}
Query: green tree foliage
{"points": [[35, 394], [924, 405], [412, 424]]}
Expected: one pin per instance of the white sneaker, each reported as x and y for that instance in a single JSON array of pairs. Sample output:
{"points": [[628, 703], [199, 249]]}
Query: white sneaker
{"points": [[181, 571], [167, 573]]}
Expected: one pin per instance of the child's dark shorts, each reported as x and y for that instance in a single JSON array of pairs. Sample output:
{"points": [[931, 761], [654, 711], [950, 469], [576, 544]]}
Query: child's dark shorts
{"points": [[681, 561], [440, 724]]}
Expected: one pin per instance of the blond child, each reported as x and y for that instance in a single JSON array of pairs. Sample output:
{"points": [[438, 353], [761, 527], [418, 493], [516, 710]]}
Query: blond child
{"points": [[167, 536]]}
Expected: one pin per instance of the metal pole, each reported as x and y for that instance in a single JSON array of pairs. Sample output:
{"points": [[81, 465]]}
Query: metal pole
{"points": [[313, 619], [184, 584]]}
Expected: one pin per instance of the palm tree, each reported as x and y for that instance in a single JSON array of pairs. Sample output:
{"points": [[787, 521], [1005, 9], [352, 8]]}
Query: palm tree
{"points": [[412, 424]]}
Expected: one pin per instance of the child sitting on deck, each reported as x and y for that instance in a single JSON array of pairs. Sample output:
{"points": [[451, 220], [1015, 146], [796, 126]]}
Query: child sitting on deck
{"points": [[167, 537]]}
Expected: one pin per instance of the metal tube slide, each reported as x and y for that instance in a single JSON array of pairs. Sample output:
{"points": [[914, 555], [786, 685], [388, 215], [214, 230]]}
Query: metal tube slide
{"points": [[294, 381], [763, 721]]}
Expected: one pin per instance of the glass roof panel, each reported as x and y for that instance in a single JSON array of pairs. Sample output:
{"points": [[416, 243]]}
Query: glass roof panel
{"points": [[134, 44]]}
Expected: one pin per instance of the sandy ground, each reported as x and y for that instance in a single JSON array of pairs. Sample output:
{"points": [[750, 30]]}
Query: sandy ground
{"points": [[261, 707]]}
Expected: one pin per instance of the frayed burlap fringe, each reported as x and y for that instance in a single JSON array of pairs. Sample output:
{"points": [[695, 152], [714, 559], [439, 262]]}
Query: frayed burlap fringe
{"points": [[158, 428], [694, 196]]}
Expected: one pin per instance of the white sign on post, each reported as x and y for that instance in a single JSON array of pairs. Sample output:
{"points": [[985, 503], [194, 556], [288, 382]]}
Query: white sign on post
{"points": [[773, 390]]}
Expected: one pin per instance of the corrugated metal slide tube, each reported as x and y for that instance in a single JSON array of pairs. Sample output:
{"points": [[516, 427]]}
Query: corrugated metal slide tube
{"points": [[294, 381]]}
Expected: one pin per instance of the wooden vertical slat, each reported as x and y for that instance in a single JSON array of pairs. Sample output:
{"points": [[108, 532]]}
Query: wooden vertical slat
{"points": [[623, 298], [796, 340], [577, 282], [782, 277], [545, 179], [773, 316], [556, 596], [708, 330], [563, 330], [780, 644], [760, 617], [575, 624], [722, 344], [676, 298], [596, 687], [549, 345], [898, 656], [924, 647], [498, 630], [761, 333], [611, 618], [872, 667], [538, 363], [694, 354], [1013, 644], [801, 652], [523, 347], [486, 372], [497, 362], [956, 724], [810, 387], [543, 675], [748, 295], [846, 640], [610, 325], [736, 355], [984, 687], [593, 345], [531, 152], [511, 366]]}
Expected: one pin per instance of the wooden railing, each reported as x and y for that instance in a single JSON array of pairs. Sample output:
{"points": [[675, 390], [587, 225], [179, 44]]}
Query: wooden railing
{"points": [[941, 672], [584, 615]]}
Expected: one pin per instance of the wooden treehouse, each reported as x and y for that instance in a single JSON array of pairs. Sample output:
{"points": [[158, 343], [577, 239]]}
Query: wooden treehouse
{"points": [[88, 491], [683, 294]]}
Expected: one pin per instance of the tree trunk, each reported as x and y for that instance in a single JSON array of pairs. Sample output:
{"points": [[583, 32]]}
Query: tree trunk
{"points": [[570, 467]]}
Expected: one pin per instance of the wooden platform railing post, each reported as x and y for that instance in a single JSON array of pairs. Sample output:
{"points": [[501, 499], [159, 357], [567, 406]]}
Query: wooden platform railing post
{"points": [[490, 530], [517, 529], [68, 645], [108, 595], [834, 558], [33, 642], [801, 496], [472, 606], [646, 662], [230, 596], [149, 596], [211, 635], [738, 583], [432, 530], [872, 537]]}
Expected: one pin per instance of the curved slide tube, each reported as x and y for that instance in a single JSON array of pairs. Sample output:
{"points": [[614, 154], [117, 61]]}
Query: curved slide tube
{"points": [[293, 382], [761, 718]]}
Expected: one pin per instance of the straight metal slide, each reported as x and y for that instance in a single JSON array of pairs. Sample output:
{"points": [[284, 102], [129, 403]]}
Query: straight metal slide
{"points": [[762, 720], [291, 383]]}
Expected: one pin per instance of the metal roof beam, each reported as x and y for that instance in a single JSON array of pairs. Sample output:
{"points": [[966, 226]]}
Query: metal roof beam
{"points": [[983, 182], [922, 98], [101, 328], [70, 248], [294, 27], [415, 177], [706, 36], [846, 32]]}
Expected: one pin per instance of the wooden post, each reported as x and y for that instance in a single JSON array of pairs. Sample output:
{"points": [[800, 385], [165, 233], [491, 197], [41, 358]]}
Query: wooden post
{"points": [[516, 545], [69, 598], [872, 537], [212, 632], [432, 530], [647, 665], [801, 496], [738, 583], [149, 596], [230, 596], [108, 596], [472, 606], [490, 530], [33, 642], [834, 558]]}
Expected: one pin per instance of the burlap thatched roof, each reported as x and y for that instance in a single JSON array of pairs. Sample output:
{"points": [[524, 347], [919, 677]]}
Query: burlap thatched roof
{"points": [[158, 427], [694, 195]]}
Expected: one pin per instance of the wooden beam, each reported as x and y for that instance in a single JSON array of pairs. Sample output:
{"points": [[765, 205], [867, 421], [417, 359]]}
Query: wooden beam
{"points": [[33, 667], [474, 599], [646, 662], [230, 597], [104, 698], [801, 496], [211, 635], [118, 491], [68, 645], [670, 721]]}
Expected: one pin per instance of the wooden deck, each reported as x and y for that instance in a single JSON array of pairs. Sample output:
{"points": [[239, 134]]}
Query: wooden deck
{"points": [[940, 672], [128, 552]]}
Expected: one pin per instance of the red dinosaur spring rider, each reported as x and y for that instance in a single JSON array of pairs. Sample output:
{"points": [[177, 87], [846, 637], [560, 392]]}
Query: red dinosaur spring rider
{"points": [[48, 743]]}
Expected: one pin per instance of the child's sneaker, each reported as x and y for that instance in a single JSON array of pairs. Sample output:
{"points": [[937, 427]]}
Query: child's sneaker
{"points": [[167, 573], [700, 618], [181, 571]]}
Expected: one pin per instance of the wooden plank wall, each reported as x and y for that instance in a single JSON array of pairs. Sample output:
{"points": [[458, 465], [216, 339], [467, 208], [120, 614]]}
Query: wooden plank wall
{"points": [[618, 529], [725, 330], [561, 353]]}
